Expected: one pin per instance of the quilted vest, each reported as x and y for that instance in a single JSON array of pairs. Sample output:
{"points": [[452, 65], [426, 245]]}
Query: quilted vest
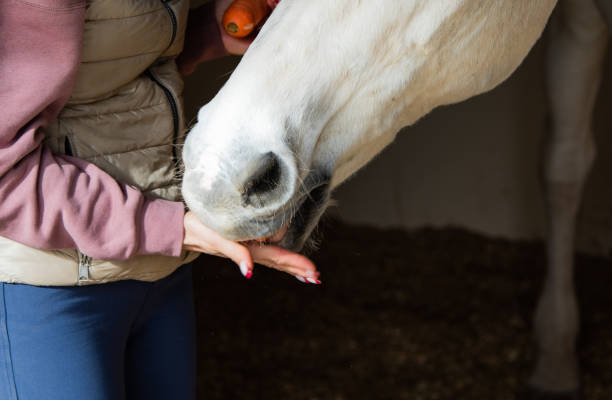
{"points": [[125, 116]]}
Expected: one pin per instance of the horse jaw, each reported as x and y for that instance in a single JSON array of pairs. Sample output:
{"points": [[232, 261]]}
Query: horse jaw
{"points": [[328, 84]]}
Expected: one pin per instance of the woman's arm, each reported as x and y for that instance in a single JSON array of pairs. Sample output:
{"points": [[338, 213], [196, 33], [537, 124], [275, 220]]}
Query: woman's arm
{"points": [[49, 201]]}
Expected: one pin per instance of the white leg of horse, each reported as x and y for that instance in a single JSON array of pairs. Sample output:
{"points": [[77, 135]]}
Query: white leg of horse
{"points": [[575, 58]]}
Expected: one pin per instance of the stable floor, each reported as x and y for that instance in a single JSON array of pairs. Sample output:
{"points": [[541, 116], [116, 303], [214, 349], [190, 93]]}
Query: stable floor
{"points": [[428, 314]]}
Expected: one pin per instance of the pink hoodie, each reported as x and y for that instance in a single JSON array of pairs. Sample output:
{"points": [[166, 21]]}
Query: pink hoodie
{"points": [[49, 201]]}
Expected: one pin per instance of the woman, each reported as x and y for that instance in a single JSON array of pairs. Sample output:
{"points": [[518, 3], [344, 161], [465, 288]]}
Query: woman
{"points": [[94, 303]]}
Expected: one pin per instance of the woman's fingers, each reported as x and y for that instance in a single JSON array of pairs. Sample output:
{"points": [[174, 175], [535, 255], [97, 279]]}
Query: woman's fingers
{"points": [[284, 260], [234, 251], [235, 46], [199, 237]]}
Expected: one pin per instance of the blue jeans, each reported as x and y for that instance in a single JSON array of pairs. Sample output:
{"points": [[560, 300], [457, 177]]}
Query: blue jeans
{"points": [[114, 341]]}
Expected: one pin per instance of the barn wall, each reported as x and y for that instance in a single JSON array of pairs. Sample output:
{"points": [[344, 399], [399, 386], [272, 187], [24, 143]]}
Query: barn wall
{"points": [[473, 164]]}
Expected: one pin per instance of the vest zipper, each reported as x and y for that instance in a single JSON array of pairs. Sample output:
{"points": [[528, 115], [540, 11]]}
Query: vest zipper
{"points": [[175, 114], [85, 260], [173, 20], [84, 264]]}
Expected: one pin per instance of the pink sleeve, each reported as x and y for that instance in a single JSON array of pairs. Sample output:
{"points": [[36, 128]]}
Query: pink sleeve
{"points": [[49, 201]]}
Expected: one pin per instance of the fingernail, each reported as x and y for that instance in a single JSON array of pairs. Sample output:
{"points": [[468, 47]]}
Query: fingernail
{"points": [[244, 269], [299, 278], [311, 274], [315, 281]]}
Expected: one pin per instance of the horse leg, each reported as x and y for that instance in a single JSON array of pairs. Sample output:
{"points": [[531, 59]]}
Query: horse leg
{"points": [[575, 57]]}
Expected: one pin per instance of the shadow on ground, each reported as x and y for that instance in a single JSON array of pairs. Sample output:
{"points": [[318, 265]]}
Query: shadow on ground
{"points": [[430, 314]]}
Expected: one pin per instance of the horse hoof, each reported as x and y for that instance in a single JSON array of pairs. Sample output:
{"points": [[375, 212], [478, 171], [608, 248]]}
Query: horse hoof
{"points": [[537, 394]]}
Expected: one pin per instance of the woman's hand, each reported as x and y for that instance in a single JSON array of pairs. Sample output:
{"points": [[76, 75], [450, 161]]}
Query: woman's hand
{"points": [[200, 238], [232, 45], [205, 38]]}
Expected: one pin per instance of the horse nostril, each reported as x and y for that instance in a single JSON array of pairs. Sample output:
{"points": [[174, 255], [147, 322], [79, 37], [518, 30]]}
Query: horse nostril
{"points": [[264, 178]]}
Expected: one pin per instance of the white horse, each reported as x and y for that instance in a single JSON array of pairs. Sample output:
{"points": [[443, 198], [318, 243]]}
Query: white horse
{"points": [[328, 84]]}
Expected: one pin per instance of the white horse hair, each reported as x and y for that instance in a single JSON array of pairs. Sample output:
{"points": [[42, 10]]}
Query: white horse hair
{"points": [[328, 84]]}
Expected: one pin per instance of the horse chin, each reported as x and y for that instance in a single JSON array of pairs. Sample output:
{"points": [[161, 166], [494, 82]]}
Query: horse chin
{"points": [[295, 235], [306, 218]]}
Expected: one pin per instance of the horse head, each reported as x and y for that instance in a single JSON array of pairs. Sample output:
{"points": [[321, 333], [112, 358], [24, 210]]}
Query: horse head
{"points": [[325, 87]]}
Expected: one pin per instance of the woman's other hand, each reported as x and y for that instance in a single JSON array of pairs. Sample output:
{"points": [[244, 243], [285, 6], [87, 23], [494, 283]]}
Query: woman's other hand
{"points": [[232, 45], [205, 38], [200, 238]]}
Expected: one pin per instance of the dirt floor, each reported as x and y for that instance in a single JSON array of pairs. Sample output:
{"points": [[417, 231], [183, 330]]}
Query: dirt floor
{"points": [[430, 314]]}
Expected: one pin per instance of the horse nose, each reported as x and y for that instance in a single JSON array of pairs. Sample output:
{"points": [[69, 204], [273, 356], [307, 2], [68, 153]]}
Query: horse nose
{"points": [[263, 177]]}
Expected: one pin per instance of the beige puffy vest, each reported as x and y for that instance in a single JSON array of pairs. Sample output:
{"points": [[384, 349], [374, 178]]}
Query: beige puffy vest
{"points": [[125, 116]]}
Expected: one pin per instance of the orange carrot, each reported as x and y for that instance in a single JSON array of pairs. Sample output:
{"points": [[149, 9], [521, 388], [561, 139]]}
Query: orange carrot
{"points": [[242, 16]]}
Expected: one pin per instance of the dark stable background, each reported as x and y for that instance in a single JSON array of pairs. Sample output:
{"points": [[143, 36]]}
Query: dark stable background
{"points": [[429, 314]]}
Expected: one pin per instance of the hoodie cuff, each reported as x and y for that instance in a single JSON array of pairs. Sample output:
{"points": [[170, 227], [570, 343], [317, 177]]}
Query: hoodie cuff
{"points": [[162, 228]]}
